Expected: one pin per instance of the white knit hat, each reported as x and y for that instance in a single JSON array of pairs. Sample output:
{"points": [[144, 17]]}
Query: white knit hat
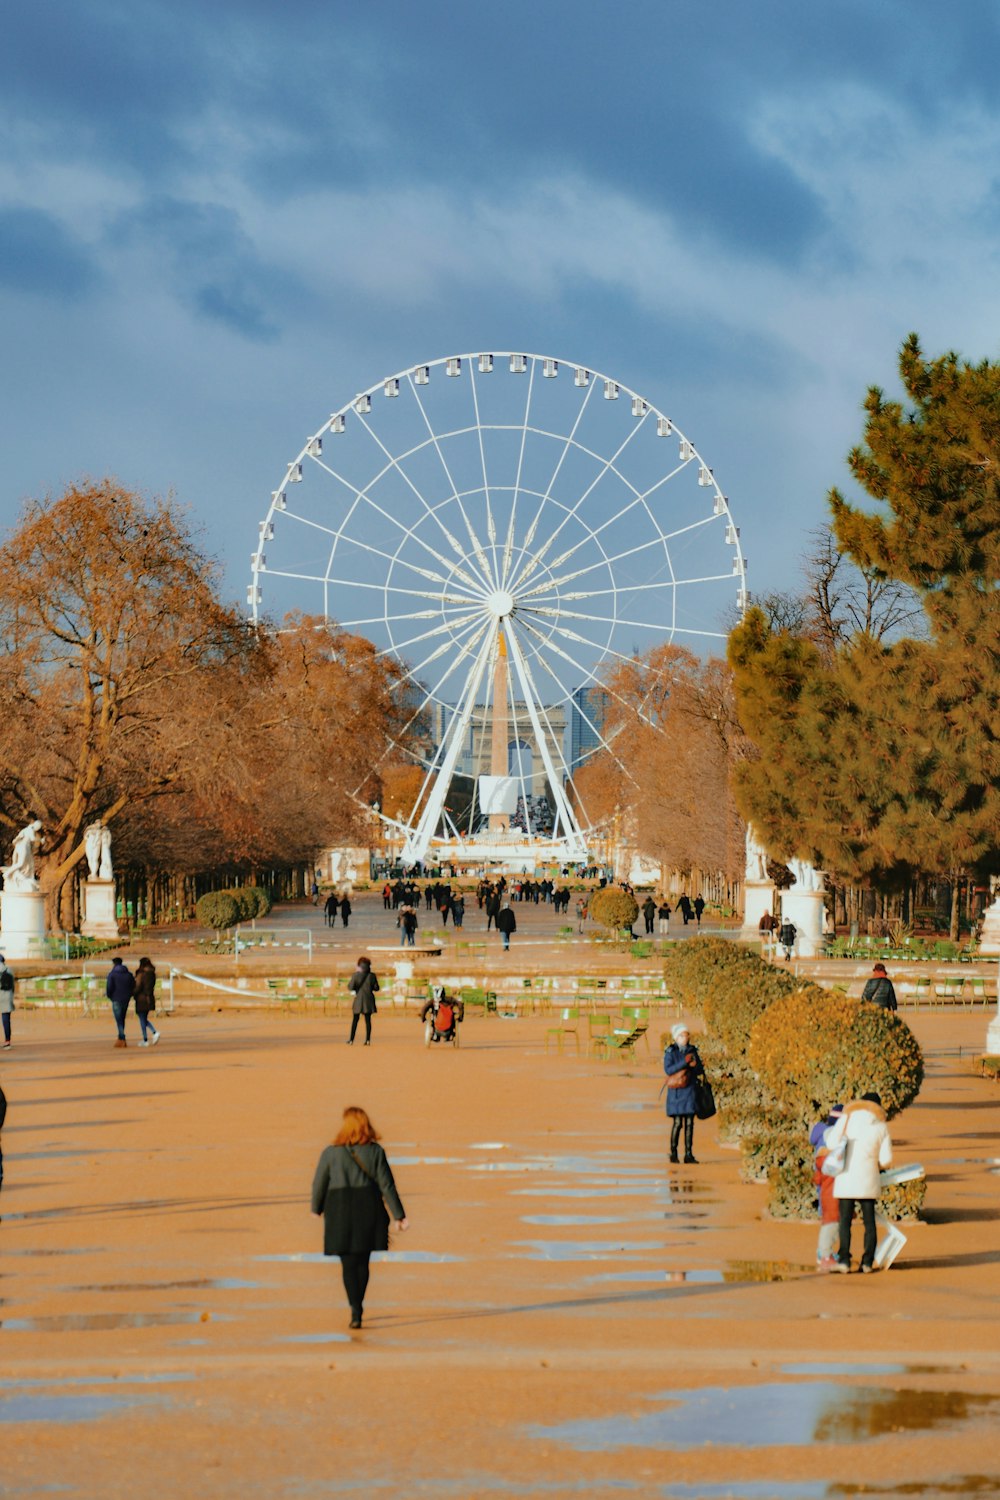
{"points": [[678, 1029]]}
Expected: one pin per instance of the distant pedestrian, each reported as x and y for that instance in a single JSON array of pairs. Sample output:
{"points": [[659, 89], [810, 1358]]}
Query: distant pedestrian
{"points": [[330, 910], [787, 934], [345, 909], [684, 907], [315, 893], [6, 999], [363, 985], [407, 925], [3, 1116], [145, 1001], [458, 910], [582, 909], [119, 988], [663, 915], [879, 989], [649, 914], [506, 924], [351, 1188], [492, 909], [387, 896], [699, 907]]}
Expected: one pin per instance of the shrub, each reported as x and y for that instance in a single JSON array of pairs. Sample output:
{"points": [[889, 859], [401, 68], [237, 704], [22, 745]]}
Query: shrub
{"points": [[217, 909], [813, 1048], [613, 908], [733, 1008], [792, 1194]]}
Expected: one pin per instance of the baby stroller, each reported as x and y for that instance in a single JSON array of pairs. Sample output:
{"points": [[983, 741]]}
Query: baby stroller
{"points": [[441, 1016]]}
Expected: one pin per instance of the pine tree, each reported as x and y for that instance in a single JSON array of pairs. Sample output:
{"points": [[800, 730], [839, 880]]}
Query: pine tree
{"points": [[881, 758]]}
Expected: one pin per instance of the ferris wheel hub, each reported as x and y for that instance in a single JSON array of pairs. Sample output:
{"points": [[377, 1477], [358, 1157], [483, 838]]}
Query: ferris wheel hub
{"points": [[500, 603]]}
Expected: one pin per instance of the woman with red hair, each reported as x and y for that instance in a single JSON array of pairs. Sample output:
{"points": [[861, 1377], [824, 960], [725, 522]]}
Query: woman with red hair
{"points": [[351, 1188]]}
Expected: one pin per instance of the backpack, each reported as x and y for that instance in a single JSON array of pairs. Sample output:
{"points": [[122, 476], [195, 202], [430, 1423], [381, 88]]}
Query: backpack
{"points": [[6, 980], [445, 1017]]}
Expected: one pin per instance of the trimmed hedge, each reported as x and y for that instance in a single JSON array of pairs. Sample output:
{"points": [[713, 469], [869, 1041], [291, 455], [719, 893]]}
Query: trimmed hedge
{"points": [[217, 910], [815, 1048], [612, 908], [779, 1053]]}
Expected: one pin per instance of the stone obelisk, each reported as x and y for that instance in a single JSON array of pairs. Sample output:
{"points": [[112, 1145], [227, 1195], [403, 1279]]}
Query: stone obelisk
{"points": [[498, 728]]}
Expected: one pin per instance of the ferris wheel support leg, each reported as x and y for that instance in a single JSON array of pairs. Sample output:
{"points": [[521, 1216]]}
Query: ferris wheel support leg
{"points": [[574, 834], [418, 842]]}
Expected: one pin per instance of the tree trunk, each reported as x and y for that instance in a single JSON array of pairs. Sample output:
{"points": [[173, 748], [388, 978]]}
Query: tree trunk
{"points": [[955, 908]]}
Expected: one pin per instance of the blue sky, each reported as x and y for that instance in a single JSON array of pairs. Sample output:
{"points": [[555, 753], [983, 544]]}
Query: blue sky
{"points": [[218, 222]]}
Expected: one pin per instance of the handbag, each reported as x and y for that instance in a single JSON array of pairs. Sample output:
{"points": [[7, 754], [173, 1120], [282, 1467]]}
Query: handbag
{"points": [[836, 1159], [704, 1099], [680, 1079]]}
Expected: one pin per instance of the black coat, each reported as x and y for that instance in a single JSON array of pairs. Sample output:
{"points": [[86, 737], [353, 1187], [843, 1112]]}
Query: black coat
{"points": [[364, 984], [145, 986], [506, 920], [351, 1202]]}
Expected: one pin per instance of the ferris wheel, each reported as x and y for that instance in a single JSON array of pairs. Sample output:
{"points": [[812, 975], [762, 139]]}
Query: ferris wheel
{"points": [[509, 527]]}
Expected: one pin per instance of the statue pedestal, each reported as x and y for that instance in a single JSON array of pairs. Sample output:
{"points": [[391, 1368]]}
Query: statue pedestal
{"points": [[993, 1035], [22, 924], [990, 940], [758, 897], [99, 918], [805, 909]]}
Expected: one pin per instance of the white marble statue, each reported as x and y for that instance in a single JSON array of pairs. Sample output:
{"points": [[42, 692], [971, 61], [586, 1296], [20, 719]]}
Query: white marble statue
{"points": [[806, 877], [756, 865], [92, 847], [19, 875], [106, 872]]}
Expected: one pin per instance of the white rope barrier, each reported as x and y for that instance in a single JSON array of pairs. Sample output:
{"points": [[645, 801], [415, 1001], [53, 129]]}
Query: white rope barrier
{"points": [[213, 984]]}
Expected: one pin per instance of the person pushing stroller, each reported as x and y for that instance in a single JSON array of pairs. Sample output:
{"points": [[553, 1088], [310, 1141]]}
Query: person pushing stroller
{"points": [[441, 1015]]}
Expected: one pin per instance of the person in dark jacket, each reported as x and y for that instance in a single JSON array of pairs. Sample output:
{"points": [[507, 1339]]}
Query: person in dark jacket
{"points": [[458, 910], [684, 907], [364, 985], [699, 907], [345, 909], [682, 1065], [879, 989], [6, 999], [663, 915], [787, 934], [649, 913], [145, 1000], [119, 989], [407, 925], [506, 924], [352, 1188], [492, 908], [331, 908]]}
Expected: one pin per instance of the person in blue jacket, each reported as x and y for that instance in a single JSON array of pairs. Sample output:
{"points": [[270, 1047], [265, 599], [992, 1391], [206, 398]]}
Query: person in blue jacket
{"points": [[682, 1065], [119, 988]]}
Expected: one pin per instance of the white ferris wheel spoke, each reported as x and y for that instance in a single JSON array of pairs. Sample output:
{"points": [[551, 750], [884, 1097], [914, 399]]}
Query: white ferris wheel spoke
{"points": [[546, 497], [491, 527], [487, 579], [603, 687], [429, 510], [509, 544], [609, 464], [439, 651], [449, 627], [364, 497]]}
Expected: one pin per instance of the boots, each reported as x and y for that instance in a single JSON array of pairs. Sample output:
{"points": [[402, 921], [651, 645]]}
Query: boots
{"points": [[690, 1159], [675, 1137]]}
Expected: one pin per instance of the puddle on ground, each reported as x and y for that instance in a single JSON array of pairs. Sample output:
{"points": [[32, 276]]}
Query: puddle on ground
{"points": [[63, 1409], [578, 1221], [824, 1367], [634, 1104], [219, 1283], [413, 1257], [426, 1161], [623, 1190], [34, 1251], [488, 1146], [100, 1322], [769, 1416], [164, 1377], [314, 1338], [565, 1250]]}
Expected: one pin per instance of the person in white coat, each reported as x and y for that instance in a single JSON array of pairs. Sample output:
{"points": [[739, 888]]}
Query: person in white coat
{"points": [[869, 1151]]}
